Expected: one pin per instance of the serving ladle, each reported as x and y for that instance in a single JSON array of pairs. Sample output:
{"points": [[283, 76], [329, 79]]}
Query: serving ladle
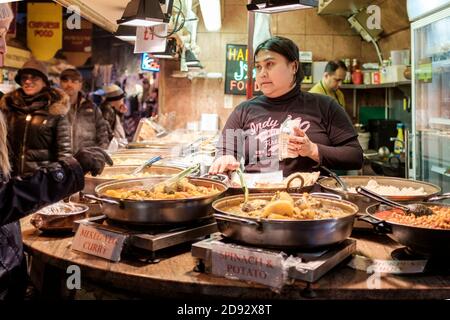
{"points": [[146, 164], [243, 184], [416, 209], [335, 177]]}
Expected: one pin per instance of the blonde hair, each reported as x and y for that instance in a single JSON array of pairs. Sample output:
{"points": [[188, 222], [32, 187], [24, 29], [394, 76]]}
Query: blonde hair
{"points": [[5, 166]]}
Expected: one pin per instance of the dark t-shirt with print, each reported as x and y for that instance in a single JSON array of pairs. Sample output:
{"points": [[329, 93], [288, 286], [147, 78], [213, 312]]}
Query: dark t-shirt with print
{"points": [[251, 132]]}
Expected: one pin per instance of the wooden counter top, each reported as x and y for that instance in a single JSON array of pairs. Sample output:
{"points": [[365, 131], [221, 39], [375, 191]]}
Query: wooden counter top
{"points": [[174, 276]]}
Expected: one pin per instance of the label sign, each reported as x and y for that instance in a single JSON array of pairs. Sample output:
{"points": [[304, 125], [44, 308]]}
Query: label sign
{"points": [[246, 264], [236, 70], [98, 242], [147, 41], [387, 266], [44, 29], [148, 63]]}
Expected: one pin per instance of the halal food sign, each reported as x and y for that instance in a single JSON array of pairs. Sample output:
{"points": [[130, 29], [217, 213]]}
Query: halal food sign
{"points": [[236, 70], [44, 29]]}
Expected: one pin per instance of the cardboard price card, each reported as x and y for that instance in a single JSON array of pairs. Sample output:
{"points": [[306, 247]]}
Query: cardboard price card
{"points": [[99, 242], [247, 264]]}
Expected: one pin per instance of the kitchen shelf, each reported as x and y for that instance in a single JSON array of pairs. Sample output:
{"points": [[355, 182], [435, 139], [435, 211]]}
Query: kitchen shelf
{"points": [[375, 86], [440, 170], [365, 86], [443, 121]]}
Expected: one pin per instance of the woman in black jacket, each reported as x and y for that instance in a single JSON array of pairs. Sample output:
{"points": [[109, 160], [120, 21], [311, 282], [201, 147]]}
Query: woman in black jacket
{"points": [[38, 129], [22, 196]]}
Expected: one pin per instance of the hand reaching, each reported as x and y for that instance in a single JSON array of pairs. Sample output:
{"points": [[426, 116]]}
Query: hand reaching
{"points": [[93, 159]]}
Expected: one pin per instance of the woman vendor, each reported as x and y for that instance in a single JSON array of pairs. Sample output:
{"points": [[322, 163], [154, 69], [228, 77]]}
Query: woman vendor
{"points": [[318, 131]]}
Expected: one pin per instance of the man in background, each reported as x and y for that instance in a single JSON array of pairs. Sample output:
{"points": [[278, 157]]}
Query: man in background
{"points": [[88, 127], [331, 81], [113, 109]]}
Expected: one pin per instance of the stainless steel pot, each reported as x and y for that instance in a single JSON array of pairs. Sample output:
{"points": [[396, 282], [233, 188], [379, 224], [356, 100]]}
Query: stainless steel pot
{"points": [[329, 184], [304, 234], [155, 211], [421, 240], [91, 182]]}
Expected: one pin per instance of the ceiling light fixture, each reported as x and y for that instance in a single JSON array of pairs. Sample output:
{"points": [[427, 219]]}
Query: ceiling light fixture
{"points": [[211, 14], [126, 33], [146, 13], [276, 6]]}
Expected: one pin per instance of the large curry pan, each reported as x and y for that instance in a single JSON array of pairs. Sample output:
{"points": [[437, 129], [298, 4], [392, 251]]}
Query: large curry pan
{"points": [[285, 234], [329, 184], [156, 212], [91, 182], [420, 240]]}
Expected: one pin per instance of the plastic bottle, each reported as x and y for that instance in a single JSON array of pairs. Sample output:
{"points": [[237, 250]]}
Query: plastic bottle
{"points": [[348, 74], [399, 142]]}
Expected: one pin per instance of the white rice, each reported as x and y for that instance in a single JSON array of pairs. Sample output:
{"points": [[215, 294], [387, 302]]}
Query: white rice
{"points": [[387, 190]]}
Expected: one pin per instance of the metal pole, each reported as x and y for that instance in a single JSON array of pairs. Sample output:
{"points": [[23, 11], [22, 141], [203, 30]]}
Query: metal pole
{"points": [[250, 62]]}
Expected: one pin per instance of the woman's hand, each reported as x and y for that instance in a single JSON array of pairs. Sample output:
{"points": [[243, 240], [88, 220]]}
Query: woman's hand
{"points": [[224, 163], [300, 145]]}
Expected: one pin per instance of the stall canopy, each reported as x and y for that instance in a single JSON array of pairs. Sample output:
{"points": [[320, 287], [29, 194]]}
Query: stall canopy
{"points": [[103, 13]]}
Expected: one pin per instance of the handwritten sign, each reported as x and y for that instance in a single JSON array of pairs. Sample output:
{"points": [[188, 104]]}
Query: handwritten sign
{"points": [[247, 264], [98, 242], [151, 39], [236, 70]]}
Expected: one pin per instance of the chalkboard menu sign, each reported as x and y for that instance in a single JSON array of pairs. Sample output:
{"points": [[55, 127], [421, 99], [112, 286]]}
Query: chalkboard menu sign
{"points": [[236, 70]]}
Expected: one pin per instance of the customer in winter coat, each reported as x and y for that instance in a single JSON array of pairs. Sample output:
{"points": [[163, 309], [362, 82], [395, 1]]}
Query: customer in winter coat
{"points": [[113, 110], [88, 127], [38, 129], [22, 196]]}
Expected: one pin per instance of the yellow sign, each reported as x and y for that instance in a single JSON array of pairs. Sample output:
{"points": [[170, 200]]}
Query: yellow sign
{"points": [[15, 57], [44, 29]]}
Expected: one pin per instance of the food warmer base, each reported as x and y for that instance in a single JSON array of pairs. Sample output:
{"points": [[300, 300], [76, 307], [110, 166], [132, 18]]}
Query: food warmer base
{"points": [[151, 244], [312, 267]]}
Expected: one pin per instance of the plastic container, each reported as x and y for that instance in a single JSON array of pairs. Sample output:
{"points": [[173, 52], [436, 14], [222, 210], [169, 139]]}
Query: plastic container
{"points": [[367, 77], [364, 138], [357, 77], [399, 142]]}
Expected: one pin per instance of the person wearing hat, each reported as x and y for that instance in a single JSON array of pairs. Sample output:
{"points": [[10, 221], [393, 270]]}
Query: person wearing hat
{"points": [[88, 127], [36, 116], [113, 110]]}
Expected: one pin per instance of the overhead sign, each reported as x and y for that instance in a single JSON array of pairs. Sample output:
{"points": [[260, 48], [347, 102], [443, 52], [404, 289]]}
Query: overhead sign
{"points": [[148, 63], [13, 26], [44, 29], [236, 70], [151, 39]]}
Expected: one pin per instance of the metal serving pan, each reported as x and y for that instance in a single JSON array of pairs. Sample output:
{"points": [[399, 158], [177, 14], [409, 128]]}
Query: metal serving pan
{"points": [[306, 234], [156, 211]]}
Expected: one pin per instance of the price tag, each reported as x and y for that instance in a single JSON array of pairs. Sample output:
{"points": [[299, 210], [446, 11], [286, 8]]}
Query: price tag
{"points": [[98, 242], [387, 266], [147, 41], [246, 264]]}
